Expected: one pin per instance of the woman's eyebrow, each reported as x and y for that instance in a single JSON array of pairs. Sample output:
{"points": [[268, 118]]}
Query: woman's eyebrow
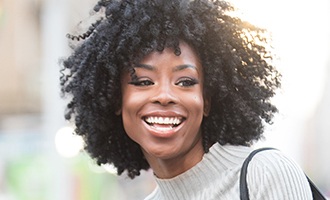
{"points": [[182, 67], [145, 66], [175, 69]]}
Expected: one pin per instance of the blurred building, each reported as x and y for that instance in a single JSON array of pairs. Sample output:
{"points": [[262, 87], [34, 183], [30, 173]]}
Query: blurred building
{"points": [[20, 53]]}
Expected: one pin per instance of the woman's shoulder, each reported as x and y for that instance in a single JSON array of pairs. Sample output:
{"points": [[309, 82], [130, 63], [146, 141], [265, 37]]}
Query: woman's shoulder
{"points": [[272, 158], [275, 175], [275, 162]]}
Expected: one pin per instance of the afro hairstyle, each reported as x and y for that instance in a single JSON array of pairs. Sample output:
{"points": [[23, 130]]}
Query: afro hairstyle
{"points": [[235, 56]]}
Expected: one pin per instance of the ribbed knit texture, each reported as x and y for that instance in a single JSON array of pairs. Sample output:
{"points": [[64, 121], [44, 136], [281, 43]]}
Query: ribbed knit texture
{"points": [[271, 175]]}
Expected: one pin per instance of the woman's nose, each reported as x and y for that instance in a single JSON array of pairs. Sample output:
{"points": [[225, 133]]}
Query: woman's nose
{"points": [[164, 95]]}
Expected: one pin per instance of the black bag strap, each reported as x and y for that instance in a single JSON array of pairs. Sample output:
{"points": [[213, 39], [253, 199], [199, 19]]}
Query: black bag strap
{"points": [[244, 192]]}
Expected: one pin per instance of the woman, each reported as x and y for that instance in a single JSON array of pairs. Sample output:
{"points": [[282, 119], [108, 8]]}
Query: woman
{"points": [[181, 87]]}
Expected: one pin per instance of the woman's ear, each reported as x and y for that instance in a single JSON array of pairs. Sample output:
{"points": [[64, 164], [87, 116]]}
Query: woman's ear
{"points": [[207, 106]]}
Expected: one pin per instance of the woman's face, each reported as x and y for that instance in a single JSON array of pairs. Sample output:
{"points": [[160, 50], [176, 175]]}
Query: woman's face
{"points": [[163, 108]]}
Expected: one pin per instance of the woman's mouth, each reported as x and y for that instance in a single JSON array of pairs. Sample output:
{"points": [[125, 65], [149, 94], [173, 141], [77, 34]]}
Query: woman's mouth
{"points": [[163, 123]]}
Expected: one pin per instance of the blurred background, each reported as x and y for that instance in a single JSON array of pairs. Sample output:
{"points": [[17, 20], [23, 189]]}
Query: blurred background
{"points": [[41, 160]]}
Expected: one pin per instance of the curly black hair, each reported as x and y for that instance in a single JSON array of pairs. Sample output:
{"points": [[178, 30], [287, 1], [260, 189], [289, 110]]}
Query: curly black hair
{"points": [[239, 75]]}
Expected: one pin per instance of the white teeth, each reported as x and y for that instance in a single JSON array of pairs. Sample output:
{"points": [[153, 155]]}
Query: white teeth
{"points": [[164, 128], [164, 120]]}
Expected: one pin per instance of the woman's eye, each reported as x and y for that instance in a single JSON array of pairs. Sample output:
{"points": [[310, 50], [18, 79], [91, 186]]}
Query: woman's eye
{"points": [[141, 83], [187, 82]]}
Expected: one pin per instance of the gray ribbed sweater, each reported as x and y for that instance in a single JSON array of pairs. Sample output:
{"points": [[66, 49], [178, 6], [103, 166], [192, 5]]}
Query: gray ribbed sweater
{"points": [[271, 175]]}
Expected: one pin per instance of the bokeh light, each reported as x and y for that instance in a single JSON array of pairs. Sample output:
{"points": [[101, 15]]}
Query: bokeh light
{"points": [[67, 143]]}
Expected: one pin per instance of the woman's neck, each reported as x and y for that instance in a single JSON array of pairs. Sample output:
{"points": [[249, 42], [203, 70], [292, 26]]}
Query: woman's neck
{"points": [[169, 168]]}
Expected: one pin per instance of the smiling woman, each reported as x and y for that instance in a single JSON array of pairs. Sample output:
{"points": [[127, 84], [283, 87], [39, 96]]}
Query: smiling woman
{"points": [[163, 107], [181, 87]]}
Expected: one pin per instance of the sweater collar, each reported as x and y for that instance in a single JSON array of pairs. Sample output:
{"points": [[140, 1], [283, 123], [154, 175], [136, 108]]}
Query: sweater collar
{"points": [[213, 164]]}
